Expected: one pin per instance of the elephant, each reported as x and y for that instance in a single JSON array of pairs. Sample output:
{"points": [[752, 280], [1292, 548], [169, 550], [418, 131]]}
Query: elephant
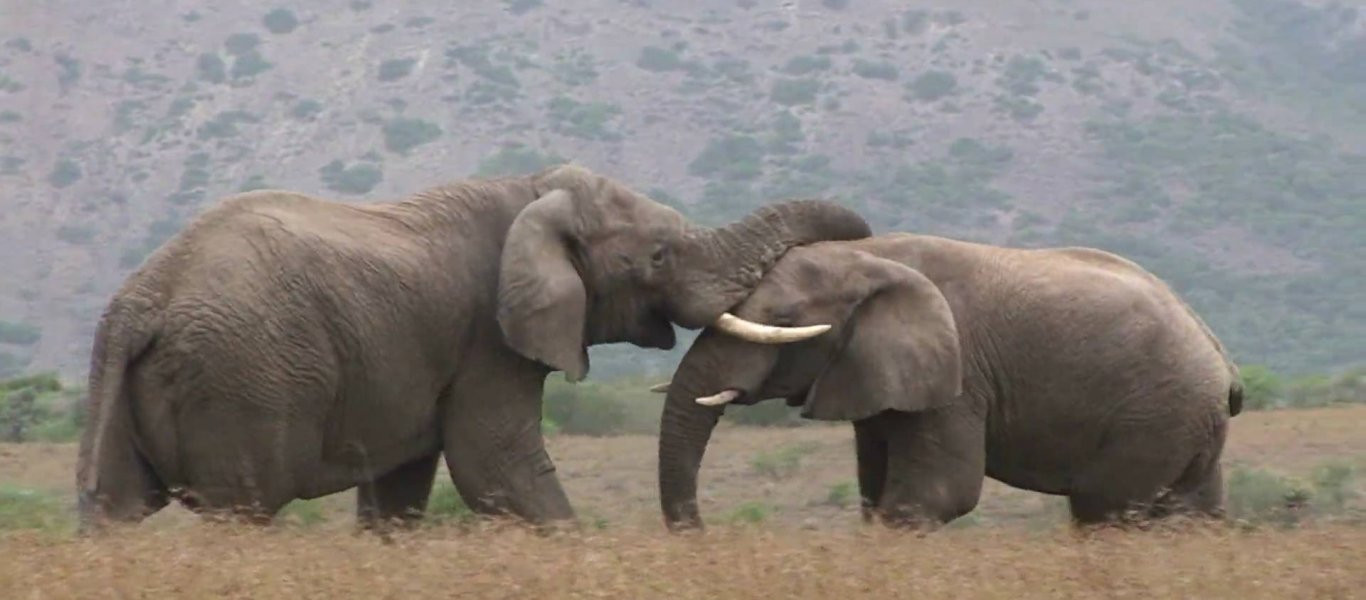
{"points": [[284, 346], [1068, 370]]}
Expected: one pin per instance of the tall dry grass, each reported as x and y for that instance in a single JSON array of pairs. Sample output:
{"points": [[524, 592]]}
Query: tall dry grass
{"points": [[219, 561]]}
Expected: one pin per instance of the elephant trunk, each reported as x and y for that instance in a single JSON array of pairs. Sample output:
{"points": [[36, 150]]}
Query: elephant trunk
{"points": [[731, 260], [685, 429]]}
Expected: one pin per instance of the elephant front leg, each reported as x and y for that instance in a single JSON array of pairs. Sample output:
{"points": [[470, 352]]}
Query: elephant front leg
{"points": [[400, 494], [936, 462], [871, 452], [495, 451]]}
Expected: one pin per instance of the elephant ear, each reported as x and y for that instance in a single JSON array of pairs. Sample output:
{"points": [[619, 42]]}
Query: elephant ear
{"points": [[542, 302], [900, 350]]}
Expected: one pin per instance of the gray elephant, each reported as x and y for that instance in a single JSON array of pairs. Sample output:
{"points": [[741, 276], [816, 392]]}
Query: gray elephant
{"points": [[283, 346], [1067, 371]]}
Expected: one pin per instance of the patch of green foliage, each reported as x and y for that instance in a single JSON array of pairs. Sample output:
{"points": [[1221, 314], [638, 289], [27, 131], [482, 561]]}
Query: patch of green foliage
{"points": [[280, 21], [751, 513], [64, 173], [733, 157], [585, 120], [402, 134], [395, 69], [659, 60], [516, 159], [932, 85], [1277, 187], [28, 509], [792, 92], [358, 178]]}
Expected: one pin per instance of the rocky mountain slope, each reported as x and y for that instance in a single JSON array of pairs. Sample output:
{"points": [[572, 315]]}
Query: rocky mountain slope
{"points": [[1218, 142]]}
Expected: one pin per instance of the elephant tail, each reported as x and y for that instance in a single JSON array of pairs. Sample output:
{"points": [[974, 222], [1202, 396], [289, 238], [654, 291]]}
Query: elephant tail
{"points": [[108, 464], [1235, 397]]}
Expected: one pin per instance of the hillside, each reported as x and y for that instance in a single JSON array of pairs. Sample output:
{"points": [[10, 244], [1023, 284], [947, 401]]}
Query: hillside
{"points": [[1218, 142]]}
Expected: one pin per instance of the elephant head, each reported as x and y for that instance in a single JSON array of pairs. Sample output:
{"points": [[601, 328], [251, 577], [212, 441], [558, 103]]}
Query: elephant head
{"points": [[891, 344], [590, 261]]}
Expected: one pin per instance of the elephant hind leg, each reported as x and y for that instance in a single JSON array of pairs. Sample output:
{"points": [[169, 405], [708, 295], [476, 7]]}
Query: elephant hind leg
{"points": [[400, 494]]}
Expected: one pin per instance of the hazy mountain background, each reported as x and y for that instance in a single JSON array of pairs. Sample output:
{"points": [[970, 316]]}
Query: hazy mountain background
{"points": [[1219, 143]]}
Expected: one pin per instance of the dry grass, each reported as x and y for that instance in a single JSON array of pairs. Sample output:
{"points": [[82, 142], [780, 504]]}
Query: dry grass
{"points": [[220, 562], [1015, 545]]}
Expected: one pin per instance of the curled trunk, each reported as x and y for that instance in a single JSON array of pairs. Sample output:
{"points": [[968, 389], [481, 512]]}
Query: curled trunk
{"points": [[727, 262]]}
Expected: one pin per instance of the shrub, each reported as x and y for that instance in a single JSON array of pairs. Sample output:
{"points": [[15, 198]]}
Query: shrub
{"points": [[280, 21], [841, 494], [306, 109], [734, 157], [1262, 388], [1261, 496], [835, 4], [516, 159], [587, 120], [396, 68], [403, 134], [65, 172], [519, 7], [75, 234], [803, 65], [355, 179], [933, 85], [238, 44], [224, 125], [654, 58], [9, 116], [211, 68], [791, 92], [875, 70], [249, 64], [751, 513], [302, 513]]}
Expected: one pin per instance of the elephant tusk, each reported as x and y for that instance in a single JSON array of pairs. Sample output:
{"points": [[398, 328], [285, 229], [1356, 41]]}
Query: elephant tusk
{"points": [[661, 388], [719, 399], [766, 334]]}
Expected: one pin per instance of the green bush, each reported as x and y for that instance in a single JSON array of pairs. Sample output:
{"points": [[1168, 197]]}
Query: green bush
{"points": [[842, 494], [9, 116], [734, 157], [516, 159], [792, 92], [402, 134], [211, 68], [280, 21], [396, 68], [355, 179], [932, 85], [249, 64], [798, 66], [659, 60], [519, 7], [586, 120], [875, 70], [303, 513], [751, 513], [306, 109], [75, 234], [239, 44], [601, 408], [224, 125], [64, 173]]}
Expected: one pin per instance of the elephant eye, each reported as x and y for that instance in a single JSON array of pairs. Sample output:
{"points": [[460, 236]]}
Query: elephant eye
{"points": [[657, 258]]}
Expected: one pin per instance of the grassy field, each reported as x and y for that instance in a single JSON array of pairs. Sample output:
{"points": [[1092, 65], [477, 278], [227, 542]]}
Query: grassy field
{"points": [[783, 514]]}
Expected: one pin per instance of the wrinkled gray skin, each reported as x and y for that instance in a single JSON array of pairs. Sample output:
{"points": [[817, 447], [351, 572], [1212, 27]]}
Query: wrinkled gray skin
{"points": [[1066, 371], [283, 346]]}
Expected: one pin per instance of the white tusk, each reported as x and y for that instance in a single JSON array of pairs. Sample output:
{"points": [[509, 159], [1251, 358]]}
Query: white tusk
{"points": [[661, 388], [719, 399], [766, 334]]}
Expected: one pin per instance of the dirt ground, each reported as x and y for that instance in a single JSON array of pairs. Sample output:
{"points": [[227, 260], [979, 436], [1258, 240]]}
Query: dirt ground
{"points": [[800, 477], [1015, 546]]}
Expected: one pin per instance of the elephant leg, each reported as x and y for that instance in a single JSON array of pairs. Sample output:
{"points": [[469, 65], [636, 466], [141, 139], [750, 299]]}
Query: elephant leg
{"points": [[493, 444], [1125, 482], [936, 463], [871, 451], [400, 494]]}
